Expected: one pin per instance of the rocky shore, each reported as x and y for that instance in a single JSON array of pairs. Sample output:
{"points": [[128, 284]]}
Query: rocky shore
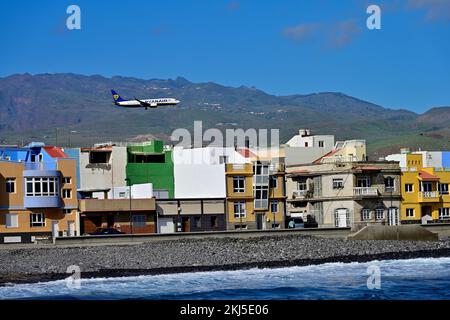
{"points": [[21, 265]]}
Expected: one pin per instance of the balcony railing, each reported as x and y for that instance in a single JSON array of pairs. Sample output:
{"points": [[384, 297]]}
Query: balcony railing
{"points": [[300, 193], [428, 195], [365, 191]]}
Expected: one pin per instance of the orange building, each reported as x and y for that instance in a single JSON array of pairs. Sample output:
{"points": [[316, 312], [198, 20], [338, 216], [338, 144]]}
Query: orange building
{"points": [[38, 195]]}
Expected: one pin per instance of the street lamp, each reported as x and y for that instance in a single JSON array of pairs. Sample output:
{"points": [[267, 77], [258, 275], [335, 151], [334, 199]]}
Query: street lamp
{"points": [[129, 196]]}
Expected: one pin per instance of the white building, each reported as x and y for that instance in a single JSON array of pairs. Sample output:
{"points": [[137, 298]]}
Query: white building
{"points": [[100, 168], [206, 168], [306, 147]]}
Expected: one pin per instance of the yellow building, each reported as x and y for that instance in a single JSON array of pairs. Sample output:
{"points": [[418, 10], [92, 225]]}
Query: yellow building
{"points": [[425, 193], [255, 195], [38, 195]]}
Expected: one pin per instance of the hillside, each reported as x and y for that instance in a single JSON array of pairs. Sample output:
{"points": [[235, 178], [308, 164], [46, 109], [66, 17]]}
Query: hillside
{"points": [[33, 106]]}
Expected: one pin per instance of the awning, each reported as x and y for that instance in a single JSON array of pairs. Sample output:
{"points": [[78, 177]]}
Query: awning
{"points": [[425, 176]]}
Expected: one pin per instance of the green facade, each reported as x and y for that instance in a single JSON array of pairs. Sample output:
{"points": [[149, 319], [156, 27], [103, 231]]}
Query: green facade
{"points": [[148, 162]]}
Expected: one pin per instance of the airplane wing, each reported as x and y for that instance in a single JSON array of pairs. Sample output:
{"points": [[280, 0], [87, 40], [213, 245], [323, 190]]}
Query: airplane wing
{"points": [[146, 104]]}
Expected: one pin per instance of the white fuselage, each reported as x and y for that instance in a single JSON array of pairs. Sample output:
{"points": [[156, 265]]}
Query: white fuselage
{"points": [[151, 102]]}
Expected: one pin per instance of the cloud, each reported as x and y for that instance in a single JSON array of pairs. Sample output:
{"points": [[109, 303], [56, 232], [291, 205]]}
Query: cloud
{"points": [[335, 35], [301, 32], [233, 5], [436, 10], [343, 33]]}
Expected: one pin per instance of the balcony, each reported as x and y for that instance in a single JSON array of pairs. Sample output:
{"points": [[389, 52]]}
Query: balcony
{"points": [[365, 192], [428, 196], [299, 193]]}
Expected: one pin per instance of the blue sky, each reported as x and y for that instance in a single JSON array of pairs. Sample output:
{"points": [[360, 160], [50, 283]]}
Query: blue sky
{"points": [[281, 47]]}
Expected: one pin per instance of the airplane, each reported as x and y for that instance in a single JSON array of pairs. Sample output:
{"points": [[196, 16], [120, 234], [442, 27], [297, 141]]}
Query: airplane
{"points": [[145, 103]]}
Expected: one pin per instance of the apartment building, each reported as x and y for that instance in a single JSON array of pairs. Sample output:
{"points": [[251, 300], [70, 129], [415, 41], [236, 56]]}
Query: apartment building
{"points": [[151, 162], [255, 195], [200, 192], [342, 189], [100, 168], [38, 195], [425, 179]]}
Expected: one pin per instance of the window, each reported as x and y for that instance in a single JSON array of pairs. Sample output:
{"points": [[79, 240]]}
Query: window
{"points": [[37, 220], [338, 183], [365, 214], [273, 182], [444, 213], [67, 180], [261, 169], [409, 187], [306, 144], [122, 194], [261, 197], [426, 186], [214, 222], [12, 220], [239, 209], [320, 144], [409, 213], [67, 193], [41, 187], [67, 211], [363, 182], [379, 214], [301, 186], [197, 222], [96, 157], [10, 185], [443, 188], [274, 206], [389, 184], [138, 220], [239, 227], [238, 184]]}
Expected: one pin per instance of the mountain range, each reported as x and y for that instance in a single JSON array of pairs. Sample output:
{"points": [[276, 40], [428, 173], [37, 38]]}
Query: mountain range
{"points": [[72, 109]]}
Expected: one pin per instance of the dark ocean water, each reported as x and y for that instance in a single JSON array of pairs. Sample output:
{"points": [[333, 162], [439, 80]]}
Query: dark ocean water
{"points": [[399, 279]]}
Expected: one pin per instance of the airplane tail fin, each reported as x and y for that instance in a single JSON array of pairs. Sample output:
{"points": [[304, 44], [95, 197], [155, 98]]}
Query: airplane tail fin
{"points": [[116, 96]]}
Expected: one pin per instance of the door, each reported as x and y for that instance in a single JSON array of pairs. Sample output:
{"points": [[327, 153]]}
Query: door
{"points": [[186, 224], [363, 182], [393, 218], [341, 218], [71, 228], [55, 229], [259, 222]]}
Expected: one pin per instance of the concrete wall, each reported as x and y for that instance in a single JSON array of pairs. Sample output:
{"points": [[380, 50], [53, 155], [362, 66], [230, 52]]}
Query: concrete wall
{"points": [[103, 176], [204, 168], [138, 191], [302, 155]]}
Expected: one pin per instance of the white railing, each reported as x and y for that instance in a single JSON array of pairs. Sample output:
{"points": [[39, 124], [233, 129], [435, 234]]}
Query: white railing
{"points": [[365, 191], [428, 194], [300, 193]]}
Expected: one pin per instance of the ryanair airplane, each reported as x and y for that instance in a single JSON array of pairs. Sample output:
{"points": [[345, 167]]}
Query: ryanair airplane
{"points": [[145, 103]]}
